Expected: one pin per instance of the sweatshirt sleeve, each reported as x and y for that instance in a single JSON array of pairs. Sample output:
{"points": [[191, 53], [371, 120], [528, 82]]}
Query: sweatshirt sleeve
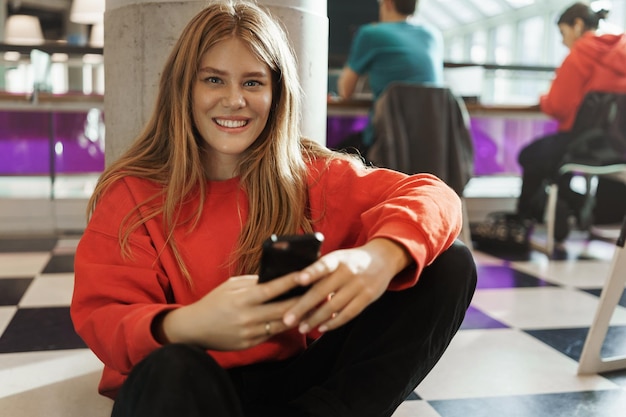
{"points": [[116, 298], [420, 212]]}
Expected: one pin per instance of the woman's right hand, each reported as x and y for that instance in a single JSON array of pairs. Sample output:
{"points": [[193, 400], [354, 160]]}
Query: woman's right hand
{"points": [[234, 316]]}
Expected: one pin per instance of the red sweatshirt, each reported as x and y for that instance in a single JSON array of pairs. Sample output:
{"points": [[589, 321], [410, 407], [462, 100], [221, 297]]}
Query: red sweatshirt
{"points": [[116, 299], [595, 63]]}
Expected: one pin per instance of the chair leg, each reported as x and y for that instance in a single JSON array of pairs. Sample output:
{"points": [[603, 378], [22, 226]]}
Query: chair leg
{"points": [[586, 212], [547, 247], [591, 360]]}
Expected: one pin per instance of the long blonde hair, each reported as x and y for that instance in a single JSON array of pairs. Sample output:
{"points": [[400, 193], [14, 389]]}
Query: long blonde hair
{"points": [[168, 151]]}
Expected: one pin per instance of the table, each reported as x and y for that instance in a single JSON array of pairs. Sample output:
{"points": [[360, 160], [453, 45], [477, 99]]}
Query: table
{"points": [[499, 131]]}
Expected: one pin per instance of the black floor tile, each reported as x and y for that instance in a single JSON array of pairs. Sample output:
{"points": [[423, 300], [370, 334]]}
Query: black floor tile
{"points": [[570, 342], [33, 329], [413, 397], [44, 244], [610, 403], [598, 291], [505, 253], [617, 377], [12, 290], [60, 264]]}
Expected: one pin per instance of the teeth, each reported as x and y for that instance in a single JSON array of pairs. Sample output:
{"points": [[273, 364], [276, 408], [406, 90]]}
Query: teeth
{"points": [[231, 123]]}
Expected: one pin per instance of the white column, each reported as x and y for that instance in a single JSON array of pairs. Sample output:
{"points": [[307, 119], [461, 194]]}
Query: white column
{"points": [[3, 18], [139, 35], [306, 23]]}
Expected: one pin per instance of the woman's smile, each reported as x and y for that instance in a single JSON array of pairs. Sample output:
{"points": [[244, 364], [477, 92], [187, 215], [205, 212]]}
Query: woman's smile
{"points": [[231, 123]]}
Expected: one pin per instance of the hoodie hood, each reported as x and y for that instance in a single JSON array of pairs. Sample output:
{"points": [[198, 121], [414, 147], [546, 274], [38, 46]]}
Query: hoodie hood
{"points": [[609, 50], [595, 63]]}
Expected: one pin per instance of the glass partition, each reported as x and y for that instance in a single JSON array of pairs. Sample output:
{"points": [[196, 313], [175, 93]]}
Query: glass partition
{"points": [[51, 120], [52, 145]]}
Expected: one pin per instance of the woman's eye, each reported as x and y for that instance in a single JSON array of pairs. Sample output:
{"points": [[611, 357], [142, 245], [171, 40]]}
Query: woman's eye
{"points": [[252, 83], [212, 80]]}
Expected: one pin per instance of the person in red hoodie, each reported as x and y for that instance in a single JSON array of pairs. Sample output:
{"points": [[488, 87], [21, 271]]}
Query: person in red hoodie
{"points": [[166, 287], [596, 62]]}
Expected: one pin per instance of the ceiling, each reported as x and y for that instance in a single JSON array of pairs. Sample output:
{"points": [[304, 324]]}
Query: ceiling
{"points": [[460, 16], [451, 16]]}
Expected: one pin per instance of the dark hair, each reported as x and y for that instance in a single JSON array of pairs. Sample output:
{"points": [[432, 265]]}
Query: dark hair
{"points": [[405, 7], [582, 11]]}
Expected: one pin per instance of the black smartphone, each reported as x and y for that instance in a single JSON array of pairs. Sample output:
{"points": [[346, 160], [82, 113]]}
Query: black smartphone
{"points": [[289, 253]]}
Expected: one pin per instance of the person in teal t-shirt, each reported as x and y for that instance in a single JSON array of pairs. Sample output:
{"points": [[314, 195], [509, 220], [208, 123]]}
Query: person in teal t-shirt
{"points": [[394, 49]]}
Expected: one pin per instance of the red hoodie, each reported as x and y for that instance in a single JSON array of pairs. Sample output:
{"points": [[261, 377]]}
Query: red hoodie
{"points": [[116, 298], [595, 63]]}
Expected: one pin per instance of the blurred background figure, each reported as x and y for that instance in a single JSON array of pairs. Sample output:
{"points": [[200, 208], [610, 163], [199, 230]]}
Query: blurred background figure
{"points": [[397, 48], [596, 62]]}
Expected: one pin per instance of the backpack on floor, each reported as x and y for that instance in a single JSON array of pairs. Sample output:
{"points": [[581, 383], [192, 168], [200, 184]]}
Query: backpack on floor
{"points": [[503, 230]]}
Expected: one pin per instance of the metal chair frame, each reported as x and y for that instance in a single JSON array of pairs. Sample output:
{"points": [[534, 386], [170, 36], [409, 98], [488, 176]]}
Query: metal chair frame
{"points": [[614, 171]]}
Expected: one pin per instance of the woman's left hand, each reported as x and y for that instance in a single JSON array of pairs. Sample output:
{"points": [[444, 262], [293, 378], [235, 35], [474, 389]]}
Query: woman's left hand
{"points": [[344, 283]]}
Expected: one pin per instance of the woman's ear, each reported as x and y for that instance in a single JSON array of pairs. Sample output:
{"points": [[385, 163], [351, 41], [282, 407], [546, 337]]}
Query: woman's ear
{"points": [[579, 27]]}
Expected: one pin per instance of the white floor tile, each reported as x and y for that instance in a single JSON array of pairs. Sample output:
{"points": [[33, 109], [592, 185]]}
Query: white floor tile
{"points": [[488, 363], [49, 290], [541, 308], [22, 372], [6, 314], [74, 397], [588, 274], [26, 264]]}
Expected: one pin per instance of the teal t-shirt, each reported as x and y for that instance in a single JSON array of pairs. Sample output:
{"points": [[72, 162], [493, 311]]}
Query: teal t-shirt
{"points": [[396, 51]]}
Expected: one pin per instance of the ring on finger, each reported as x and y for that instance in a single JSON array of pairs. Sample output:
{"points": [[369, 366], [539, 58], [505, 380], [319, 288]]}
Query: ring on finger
{"points": [[268, 328]]}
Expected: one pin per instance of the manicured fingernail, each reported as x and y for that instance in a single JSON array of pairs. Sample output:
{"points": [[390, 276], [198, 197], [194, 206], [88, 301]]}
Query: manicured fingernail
{"points": [[304, 328], [322, 328], [303, 277], [289, 319]]}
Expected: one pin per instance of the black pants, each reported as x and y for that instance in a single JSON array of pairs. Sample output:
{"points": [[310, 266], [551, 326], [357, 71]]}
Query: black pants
{"points": [[365, 368], [540, 162]]}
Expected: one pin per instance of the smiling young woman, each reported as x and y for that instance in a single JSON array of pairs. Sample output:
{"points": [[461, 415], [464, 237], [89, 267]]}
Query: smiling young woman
{"points": [[166, 287]]}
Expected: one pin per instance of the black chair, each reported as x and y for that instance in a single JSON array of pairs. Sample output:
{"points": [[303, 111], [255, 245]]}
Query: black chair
{"points": [[424, 129], [597, 149]]}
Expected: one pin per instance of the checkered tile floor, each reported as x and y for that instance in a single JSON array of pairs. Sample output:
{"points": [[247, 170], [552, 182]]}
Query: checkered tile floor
{"points": [[515, 355]]}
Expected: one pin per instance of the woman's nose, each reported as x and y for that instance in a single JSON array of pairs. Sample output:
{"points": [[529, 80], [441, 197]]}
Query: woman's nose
{"points": [[234, 98]]}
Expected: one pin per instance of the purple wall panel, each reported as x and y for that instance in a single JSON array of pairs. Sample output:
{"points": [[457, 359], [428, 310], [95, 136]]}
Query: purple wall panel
{"points": [[24, 146], [79, 140], [497, 140], [81, 136], [26, 137], [339, 127]]}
